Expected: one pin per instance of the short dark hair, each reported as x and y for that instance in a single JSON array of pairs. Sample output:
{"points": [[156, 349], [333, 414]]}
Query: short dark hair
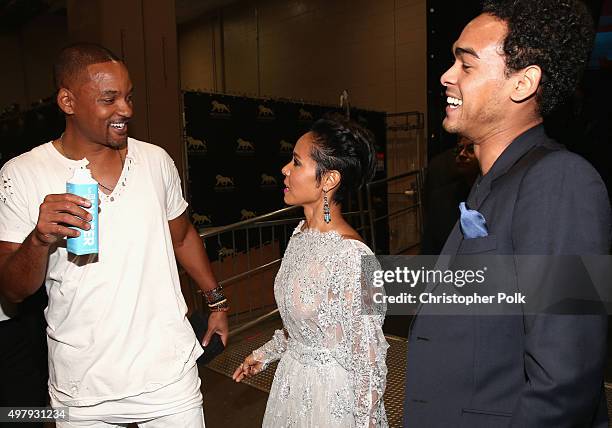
{"points": [[556, 35], [74, 59], [346, 147]]}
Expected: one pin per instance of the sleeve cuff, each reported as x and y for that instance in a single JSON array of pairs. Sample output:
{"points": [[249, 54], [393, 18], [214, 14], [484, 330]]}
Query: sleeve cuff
{"points": [[180, 209]]}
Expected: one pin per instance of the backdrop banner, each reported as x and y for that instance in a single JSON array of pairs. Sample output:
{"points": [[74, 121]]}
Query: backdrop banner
{"points": [[237, 146]]}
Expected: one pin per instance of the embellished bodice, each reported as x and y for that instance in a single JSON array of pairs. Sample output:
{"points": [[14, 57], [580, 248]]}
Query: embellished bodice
{"points": [[317, 271]]}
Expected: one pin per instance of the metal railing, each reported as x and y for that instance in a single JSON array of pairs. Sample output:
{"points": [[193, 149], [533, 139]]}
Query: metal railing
{"points": [[406, 148], [245, 256], [399, 198]]}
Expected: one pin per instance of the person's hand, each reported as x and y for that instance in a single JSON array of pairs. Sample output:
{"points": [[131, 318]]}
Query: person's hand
{"points": [[217, 323], [57, 213], [250, 367]]}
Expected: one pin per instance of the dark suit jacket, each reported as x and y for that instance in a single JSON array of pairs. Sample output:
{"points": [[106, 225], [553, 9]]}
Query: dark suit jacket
{"points": [[518, 370]]}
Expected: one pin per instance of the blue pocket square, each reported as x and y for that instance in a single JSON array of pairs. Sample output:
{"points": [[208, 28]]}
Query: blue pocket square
{"points": [[473, 224]]}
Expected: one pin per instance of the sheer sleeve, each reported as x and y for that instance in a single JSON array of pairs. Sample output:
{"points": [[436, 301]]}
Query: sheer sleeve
{"points": [[272, 350], [361, 346]]}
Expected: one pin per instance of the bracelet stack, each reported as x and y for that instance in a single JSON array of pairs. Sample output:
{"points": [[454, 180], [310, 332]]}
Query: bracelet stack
{"points": [[216, 300]]}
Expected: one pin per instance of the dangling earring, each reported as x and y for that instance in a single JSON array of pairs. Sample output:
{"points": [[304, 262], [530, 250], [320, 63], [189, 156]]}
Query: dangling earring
{"points": [[326, 213]]}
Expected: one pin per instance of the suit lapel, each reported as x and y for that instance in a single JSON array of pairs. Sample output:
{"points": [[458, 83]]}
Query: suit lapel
{"points": [[509, 157], [446, 257], [479, 193], [481, 190], [453, 241]]}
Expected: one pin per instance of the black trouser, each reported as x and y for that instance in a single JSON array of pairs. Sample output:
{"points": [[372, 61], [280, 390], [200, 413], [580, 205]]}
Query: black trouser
{"points": [[23, 381]]}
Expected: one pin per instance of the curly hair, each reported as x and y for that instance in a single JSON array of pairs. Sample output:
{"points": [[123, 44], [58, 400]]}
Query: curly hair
{"points": [[556, 35], [346, 147]]}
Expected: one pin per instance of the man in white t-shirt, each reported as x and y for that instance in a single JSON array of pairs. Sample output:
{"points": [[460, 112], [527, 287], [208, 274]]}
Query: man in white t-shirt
{"points": [[120, 347]]}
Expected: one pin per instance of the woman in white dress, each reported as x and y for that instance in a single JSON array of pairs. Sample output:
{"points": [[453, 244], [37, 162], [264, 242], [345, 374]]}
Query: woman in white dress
{"points": [[332, 370]]}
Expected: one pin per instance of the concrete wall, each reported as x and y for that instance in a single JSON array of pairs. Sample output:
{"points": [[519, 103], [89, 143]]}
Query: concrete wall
{"points": [[27, 61], [311, 50]]}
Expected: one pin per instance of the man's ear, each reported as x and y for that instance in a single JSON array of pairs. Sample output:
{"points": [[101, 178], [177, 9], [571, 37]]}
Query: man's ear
{"points": [[527, 82], [331, 180], [65, 100]]}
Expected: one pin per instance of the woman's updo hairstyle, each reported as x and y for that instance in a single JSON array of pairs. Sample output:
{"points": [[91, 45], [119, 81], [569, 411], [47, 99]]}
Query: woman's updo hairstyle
{"points": [[346, 147]]}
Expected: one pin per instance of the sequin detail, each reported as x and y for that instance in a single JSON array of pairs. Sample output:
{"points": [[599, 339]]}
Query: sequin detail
{"points": [[332, 371]]}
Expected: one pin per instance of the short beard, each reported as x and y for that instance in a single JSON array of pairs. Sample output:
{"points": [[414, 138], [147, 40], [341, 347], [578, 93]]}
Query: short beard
{"points": [[114, 144], [451, 129]]}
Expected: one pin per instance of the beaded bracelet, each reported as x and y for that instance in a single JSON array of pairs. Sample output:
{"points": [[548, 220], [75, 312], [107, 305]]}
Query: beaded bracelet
{"points": [[216, 300], [215, 295], [222, 306]]}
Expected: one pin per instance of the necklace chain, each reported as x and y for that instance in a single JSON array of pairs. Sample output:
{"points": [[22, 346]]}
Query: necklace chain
{"points": [[110, 189]]}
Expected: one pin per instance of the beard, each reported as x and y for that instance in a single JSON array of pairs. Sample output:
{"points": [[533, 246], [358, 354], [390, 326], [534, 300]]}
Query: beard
{"points": [[115, 142], [474, 125], [451, 128]]}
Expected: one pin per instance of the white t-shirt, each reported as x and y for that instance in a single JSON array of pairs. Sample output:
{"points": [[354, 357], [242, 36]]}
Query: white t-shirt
{"points": [[116, 325]]}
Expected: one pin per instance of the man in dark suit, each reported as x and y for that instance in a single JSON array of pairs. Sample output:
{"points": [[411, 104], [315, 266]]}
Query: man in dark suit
{"points": [[448, 181], [513, 65]]}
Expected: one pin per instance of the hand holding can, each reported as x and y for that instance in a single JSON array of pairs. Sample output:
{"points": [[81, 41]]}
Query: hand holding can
{"points": [[82, 184]]}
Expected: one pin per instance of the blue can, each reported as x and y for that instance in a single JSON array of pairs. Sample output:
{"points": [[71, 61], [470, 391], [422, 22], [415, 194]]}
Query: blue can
{"points": [[82, 184]]}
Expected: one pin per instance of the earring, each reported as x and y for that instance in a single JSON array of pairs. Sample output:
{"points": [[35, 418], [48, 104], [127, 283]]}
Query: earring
{"points": [[326, 213]]}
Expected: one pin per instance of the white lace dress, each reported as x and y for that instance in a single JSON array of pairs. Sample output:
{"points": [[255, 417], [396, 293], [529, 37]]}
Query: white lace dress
{"points": [[332, 370]]}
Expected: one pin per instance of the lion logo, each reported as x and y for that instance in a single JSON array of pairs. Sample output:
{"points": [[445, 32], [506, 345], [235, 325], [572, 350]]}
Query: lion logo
{"points": [[286, 147], [304, 114], [226, 252], [246, 214], [194, 144], [267, 179], [224, 181], [244, 145], [200, 219], [264, 111], [218, 107]]}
